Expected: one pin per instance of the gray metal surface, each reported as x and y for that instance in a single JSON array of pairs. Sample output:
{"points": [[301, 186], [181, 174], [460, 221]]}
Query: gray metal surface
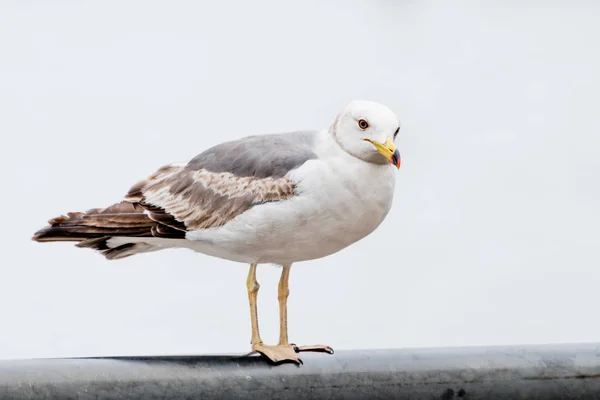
{"points": [[530, 372]]}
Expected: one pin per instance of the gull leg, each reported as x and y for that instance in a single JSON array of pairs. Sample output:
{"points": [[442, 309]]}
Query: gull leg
{"points": [[277, 353], [283, 291], [283, 294], [253, 286]]}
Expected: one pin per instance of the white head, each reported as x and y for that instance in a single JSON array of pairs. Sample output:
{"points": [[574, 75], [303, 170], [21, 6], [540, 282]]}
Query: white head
{"points": [[367, 130]]}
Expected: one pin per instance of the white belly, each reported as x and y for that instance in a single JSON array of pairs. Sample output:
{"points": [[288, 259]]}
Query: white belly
{"points": [[337, 204]]}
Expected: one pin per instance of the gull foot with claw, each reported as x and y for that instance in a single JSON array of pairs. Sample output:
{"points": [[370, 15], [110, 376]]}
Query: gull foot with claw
{"points": [[288, 352]]}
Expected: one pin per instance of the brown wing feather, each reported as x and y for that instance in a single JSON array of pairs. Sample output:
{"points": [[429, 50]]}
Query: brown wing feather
{"points": [[121, 219], [174, 200], [171, 202], [186, 199]]}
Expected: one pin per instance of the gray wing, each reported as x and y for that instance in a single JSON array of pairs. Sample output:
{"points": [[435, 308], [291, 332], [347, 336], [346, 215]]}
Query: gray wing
{"points": [[261, 156], [222, 182]]}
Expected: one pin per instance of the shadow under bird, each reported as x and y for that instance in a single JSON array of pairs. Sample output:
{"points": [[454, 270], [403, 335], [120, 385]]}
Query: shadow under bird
{"points": [[277, 199]]}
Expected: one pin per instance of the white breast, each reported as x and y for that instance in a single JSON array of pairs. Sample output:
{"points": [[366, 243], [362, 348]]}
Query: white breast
{"points": [[339, 200]]}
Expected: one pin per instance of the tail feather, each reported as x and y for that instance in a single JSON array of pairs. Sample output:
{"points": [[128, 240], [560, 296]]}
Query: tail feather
{"points": [[121, 219], [114, 251], [96, 243], [94, 228], [81, 232]]}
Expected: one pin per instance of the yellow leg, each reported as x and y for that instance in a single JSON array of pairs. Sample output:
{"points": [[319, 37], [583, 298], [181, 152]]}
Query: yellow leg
{"points": [[253, 286], [274, 353], [282, 295], [283, 351]]}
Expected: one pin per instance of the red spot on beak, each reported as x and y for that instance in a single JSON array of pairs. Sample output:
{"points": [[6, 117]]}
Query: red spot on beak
{"points": [[396, 159]]}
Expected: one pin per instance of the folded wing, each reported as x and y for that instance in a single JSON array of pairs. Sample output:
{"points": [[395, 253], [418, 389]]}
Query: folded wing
{"points": [[209, 191]]}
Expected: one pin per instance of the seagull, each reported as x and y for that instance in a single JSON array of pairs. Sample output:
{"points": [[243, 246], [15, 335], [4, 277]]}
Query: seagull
{"points": [[264, 199]]}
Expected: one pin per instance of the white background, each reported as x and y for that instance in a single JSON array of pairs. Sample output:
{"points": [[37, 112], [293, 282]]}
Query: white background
{"points": [[494, 234]]}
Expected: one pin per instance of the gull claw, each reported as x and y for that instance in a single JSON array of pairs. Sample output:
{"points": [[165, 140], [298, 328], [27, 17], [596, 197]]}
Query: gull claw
{"points": [[318, 348]]}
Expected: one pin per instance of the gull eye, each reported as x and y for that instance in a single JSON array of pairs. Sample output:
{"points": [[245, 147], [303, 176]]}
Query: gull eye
{"points": [[363, 124], [396, 133]]}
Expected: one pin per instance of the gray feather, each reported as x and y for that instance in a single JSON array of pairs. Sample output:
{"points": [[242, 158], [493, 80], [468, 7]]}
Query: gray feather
{"points": [[261, 156]]}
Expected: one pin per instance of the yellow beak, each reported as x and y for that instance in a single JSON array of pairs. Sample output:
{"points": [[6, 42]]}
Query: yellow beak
{"points": [[388, 150]]}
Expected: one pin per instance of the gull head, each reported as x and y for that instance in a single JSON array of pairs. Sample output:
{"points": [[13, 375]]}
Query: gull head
{"points": [[367, 130]]}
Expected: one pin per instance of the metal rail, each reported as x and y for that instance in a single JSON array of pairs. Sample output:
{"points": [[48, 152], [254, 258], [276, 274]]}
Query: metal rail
{"points": [[529, 372]]}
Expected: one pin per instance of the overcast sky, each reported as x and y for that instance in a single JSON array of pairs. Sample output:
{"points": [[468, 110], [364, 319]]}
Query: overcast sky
{"points": [[493, 237]]}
